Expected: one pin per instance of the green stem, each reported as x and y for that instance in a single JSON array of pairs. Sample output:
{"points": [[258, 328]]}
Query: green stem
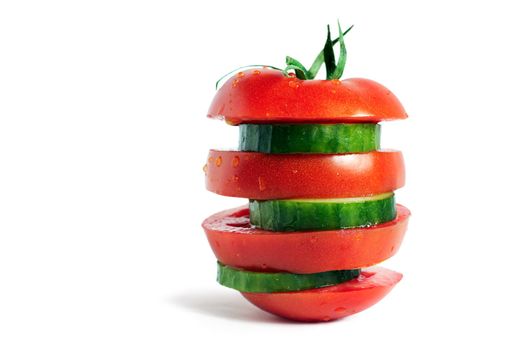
{"points": [[341, 62], [327, 56], [318, 62]]}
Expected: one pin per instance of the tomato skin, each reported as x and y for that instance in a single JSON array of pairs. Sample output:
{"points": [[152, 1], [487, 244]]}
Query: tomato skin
{"points": [[236, 243], [278, 176], [329, 303], [267, 96]]}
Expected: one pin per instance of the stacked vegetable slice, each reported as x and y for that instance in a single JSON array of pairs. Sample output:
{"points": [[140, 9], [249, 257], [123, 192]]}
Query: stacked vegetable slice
{"points": [[321, 194]]}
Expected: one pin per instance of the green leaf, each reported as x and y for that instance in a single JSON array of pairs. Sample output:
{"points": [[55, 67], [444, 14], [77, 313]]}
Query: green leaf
{"points": [[341, 61], [249, 66], [318, 62], [300, 71], [326, 56], [297, 69], [329, 56]]}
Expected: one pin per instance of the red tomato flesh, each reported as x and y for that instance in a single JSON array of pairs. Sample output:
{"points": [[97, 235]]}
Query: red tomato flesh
{"points": [[278, 176], [267, 96], [329, 303], [236, 243]]}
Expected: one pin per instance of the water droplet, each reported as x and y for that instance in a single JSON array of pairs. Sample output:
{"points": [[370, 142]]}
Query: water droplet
{"points": [[235, 161], [256, 72], [340, 309], [218, 161], [262, 184]]}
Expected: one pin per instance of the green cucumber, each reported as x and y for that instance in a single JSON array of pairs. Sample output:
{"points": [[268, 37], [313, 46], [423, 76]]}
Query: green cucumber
{"points": [[309, 138], [322, 214], [272, 282]]}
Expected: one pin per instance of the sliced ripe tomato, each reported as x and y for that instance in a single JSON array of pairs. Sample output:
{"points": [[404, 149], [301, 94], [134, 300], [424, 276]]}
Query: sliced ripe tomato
{"points": [[236, 243], [278, 176], [267, 96], [329, 303]]}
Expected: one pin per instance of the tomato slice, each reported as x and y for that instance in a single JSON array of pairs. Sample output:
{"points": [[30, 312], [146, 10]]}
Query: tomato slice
{"points": [[267, 96], [329, 303], [278, 176], [236, 243]]}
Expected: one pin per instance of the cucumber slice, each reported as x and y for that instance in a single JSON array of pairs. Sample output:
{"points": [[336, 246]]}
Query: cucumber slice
{"points": [[271, 282], [322, 214], [309, 138]]}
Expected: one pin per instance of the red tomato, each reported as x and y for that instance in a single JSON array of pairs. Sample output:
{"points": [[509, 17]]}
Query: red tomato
{"points": [[267, 96], [236, 243], [329, 303], [278, 176]]}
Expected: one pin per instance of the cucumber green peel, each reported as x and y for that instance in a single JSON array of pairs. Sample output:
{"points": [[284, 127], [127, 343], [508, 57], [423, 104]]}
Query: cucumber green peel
{"points": [[322, 214], [309, 138], [273, 282]]}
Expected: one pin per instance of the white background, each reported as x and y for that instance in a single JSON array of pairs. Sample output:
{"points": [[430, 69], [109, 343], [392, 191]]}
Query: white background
{"points": [[103, 136]]}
